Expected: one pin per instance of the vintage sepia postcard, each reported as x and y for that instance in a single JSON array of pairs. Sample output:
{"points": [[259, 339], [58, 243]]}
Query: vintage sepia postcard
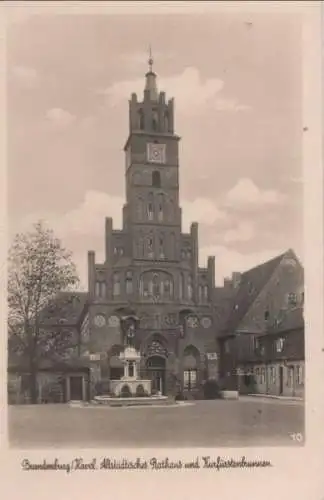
{"points": [[163, 267]]}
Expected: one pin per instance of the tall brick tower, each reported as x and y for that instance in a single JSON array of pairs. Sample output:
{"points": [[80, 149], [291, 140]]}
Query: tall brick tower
{"points": [[151, 267]]}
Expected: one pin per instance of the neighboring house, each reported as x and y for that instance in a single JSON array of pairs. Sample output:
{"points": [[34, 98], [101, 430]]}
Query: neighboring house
{"points": [[63, 370], [275, 362], [266, 305]]}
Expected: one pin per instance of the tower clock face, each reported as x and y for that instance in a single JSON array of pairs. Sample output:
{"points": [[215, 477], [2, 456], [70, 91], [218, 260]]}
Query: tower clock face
{"points": [[156, 153]]}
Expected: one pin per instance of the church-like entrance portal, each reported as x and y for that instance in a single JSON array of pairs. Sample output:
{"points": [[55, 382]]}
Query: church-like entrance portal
{"points": [[156, 369]]}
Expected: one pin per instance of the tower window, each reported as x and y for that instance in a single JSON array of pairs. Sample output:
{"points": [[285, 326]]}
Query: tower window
{"points": [[150, 247], [156, 285], [155, 121], [156, 179], [116, 284], [129, 282], [181, 286], [190, 289], [100, 290], [150, 208], [161, 247]]}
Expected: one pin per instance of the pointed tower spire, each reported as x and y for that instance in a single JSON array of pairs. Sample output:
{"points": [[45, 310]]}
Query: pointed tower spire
{"points": [[150, 86]]}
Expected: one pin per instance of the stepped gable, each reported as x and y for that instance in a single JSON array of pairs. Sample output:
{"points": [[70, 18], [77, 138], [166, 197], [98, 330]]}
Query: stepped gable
{"points": [[251, 284]]}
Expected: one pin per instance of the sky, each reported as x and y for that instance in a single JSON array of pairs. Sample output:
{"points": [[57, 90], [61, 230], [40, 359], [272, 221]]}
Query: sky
{"points": [[236, 80]]}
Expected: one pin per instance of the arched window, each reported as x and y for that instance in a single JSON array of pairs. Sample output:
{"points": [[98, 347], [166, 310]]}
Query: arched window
{"points": [[116, 284], [150, 207], [141, 119], [166, 121], [156, 285], [150, 249], [100, 289], [155, 121], [200, 293], [168, 287], [161, 247], [189, 288], [160, 207], [205, 293], [129, 282], [181, 286], [156, 179]]}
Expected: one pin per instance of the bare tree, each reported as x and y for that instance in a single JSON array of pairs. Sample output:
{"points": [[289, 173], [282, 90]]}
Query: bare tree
{"points": [[39, 269]]}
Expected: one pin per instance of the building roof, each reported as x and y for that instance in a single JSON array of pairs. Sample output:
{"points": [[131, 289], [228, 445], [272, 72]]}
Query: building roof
{"points": [[251, 284], [66, 309], [45, 365], [291, 319]]}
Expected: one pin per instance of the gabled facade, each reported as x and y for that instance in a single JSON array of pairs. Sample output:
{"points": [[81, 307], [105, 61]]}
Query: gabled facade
{"points": [[266, 311]]}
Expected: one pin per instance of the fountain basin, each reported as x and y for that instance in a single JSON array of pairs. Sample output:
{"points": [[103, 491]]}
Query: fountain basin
{"points": [[116, 386], [132, 401]]}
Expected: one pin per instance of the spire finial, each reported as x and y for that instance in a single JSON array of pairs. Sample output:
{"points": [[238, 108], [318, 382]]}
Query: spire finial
{"points": [[150, 61]]}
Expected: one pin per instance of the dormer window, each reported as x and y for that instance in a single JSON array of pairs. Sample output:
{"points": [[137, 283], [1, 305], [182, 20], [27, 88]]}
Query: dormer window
{"points": [[292, 299]]}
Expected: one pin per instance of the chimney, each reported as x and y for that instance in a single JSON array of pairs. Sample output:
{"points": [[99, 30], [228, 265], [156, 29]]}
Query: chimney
{"points": [[236, 279]]}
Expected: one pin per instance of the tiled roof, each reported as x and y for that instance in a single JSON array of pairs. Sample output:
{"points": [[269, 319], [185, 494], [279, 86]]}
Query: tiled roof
{"points": [[251, 284], [65, 309], [291, 319]]}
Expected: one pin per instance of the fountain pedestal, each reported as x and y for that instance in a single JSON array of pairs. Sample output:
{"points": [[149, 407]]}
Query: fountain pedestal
{"points": [[131, 361]]}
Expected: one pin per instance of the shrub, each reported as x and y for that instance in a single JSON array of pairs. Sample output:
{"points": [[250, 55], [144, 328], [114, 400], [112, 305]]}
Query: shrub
{"points": [[125, 392], [180, 397], [211, 390], [140, 391]]}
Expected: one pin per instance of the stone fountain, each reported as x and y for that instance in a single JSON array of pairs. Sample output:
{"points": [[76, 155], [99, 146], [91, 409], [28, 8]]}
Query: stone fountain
{"points": [[130, 389]]}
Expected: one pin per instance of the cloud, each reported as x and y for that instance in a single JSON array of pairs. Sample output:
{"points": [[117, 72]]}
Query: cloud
{"points": [[245, 192], [26, 76], [60, 117], [88, 217], [200, 210], [228, 260], [243, 232], [190, 91], [230, 105]]}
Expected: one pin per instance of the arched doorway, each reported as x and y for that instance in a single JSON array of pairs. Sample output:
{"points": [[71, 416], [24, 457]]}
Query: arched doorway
{"points": [[191, 357], [156, 369]]}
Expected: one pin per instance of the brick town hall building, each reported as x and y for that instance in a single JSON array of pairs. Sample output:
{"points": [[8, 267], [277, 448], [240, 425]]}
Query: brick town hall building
{"points": [[187, 330], [151, 270]]}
